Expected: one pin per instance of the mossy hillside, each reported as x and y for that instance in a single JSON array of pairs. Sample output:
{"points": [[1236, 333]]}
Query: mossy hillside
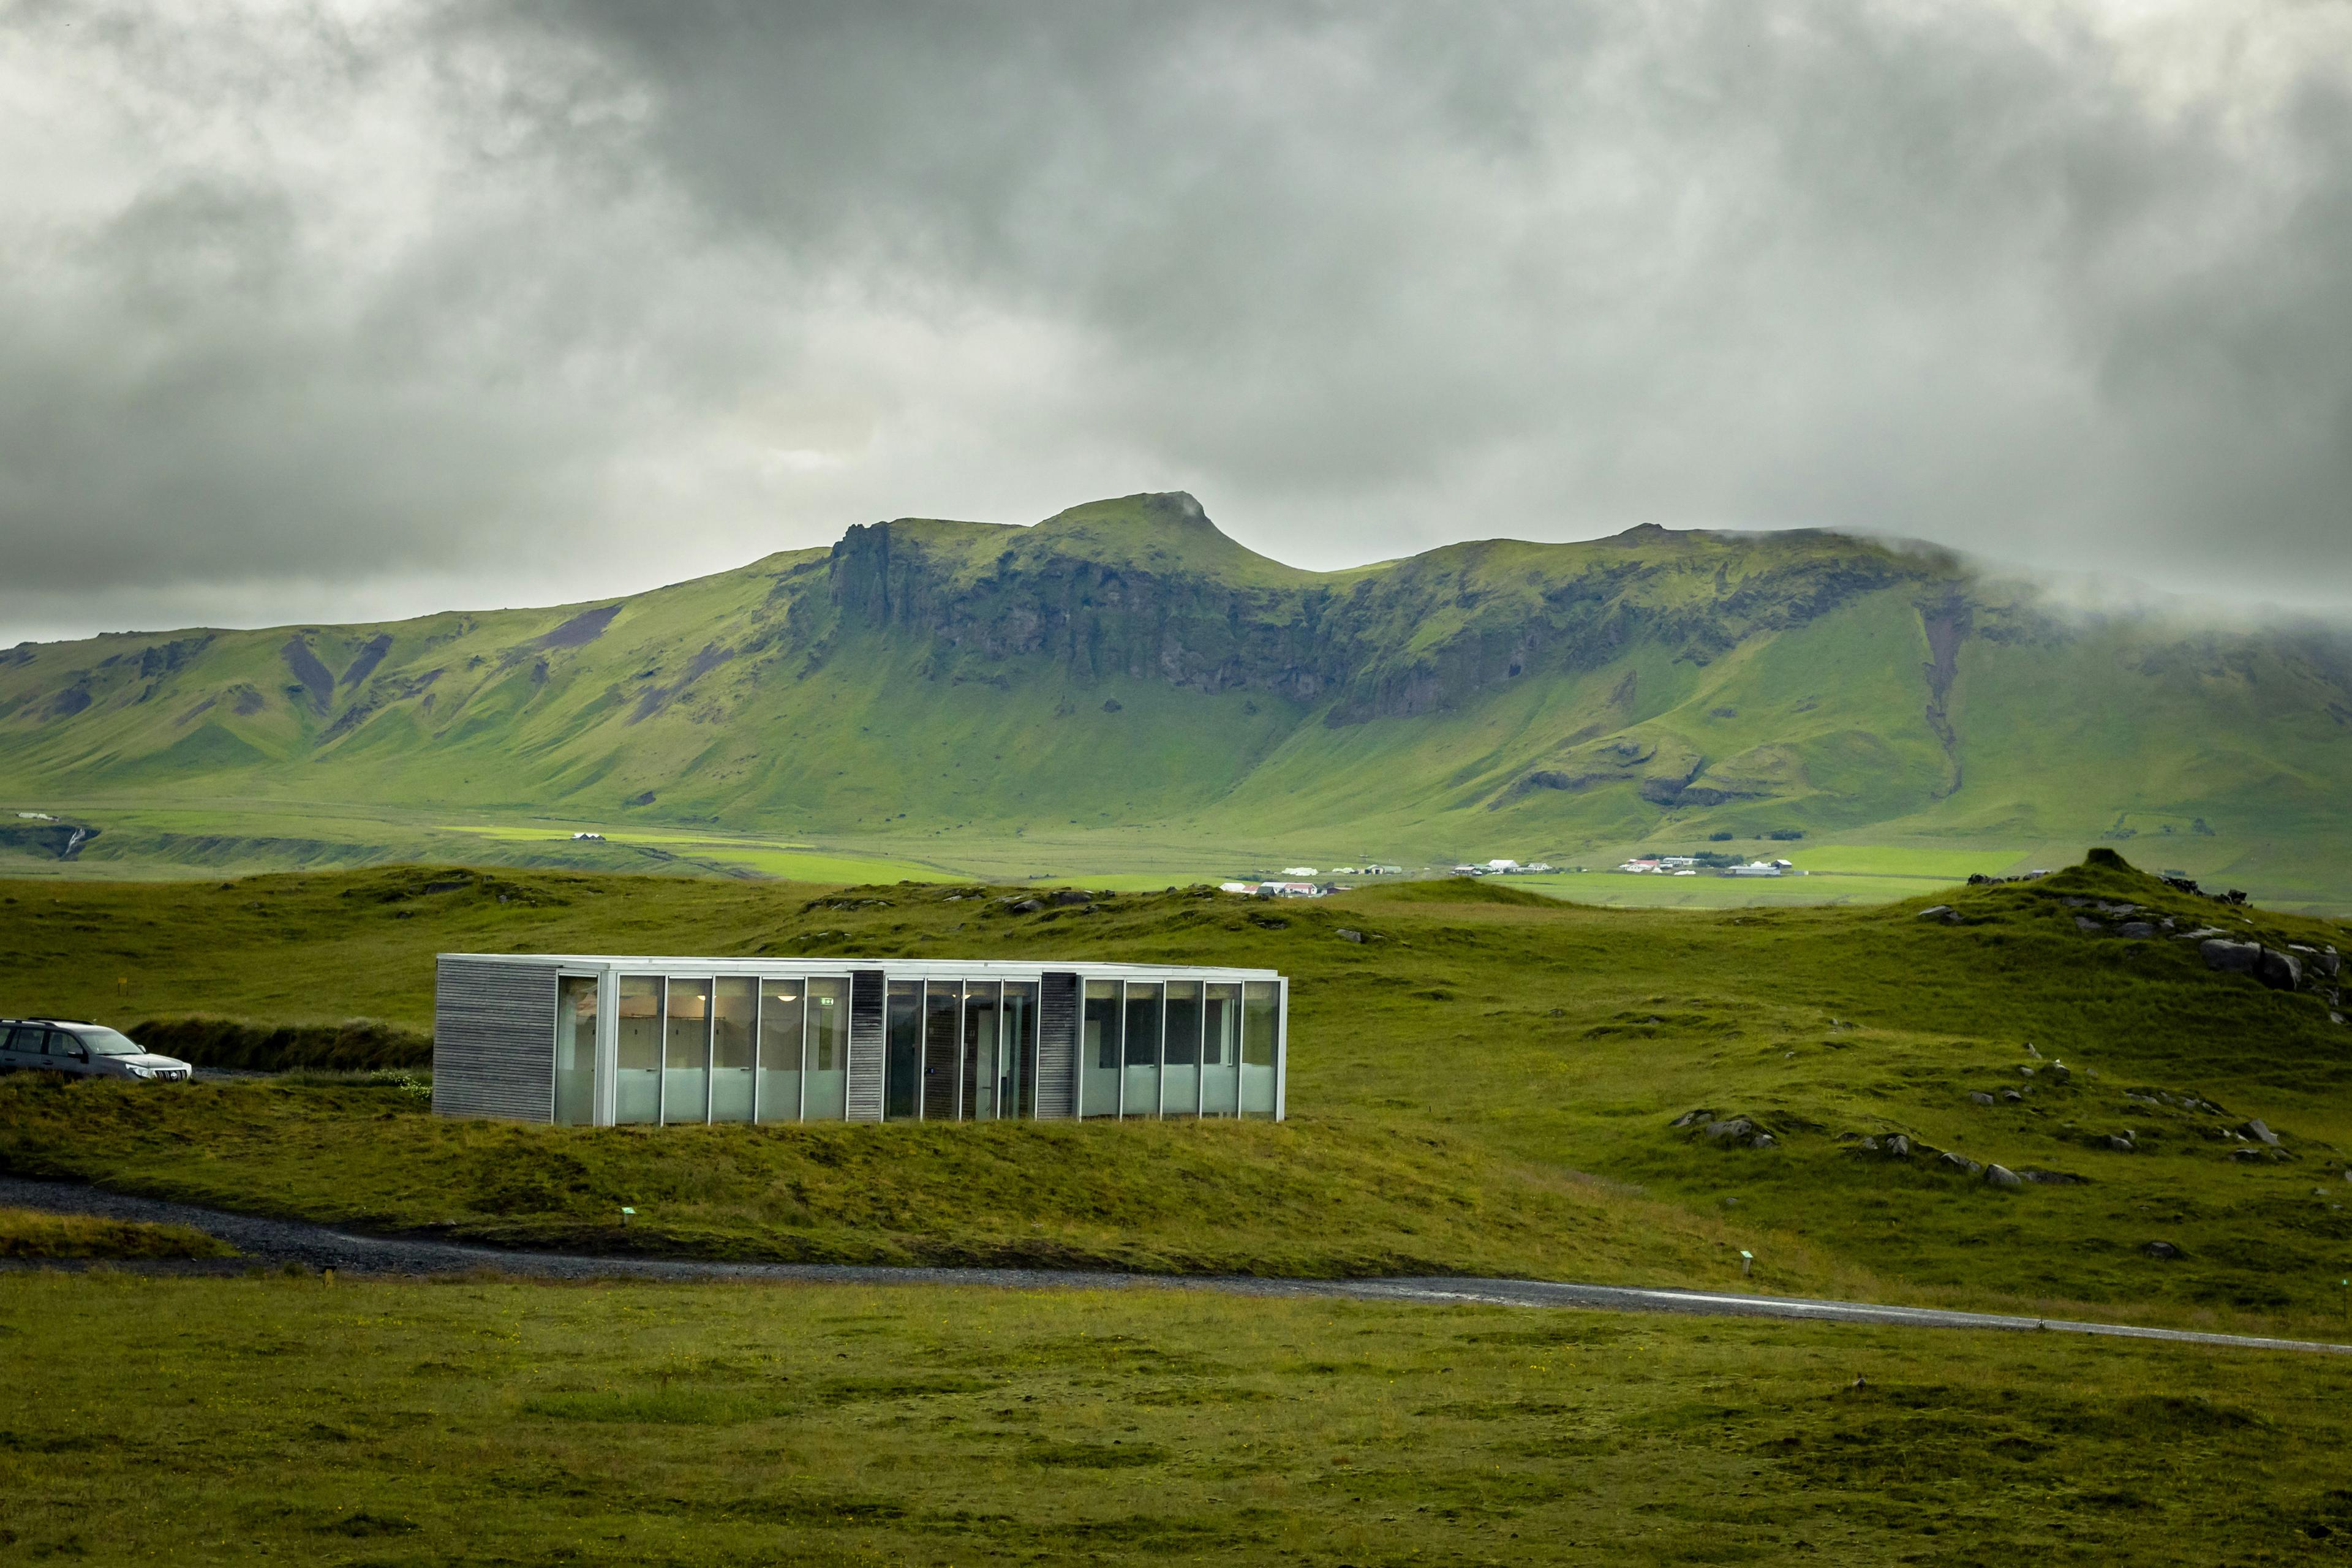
{"points": [[943, 692], [480, 1422], [1528, 1037]]}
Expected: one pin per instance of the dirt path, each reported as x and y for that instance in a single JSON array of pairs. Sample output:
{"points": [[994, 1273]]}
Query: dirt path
{"points": [[315, 1246]]}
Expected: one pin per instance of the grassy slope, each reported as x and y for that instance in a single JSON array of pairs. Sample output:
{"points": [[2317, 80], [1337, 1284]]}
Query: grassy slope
{"points": [[490, 1423], [1449, 1075], [745, 707]]}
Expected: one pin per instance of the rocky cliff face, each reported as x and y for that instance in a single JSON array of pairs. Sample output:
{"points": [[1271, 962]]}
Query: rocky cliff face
{"points": [[1417, 636]]}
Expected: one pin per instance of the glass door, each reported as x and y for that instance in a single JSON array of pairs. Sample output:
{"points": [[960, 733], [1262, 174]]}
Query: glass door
{"points": [[983, 1019], [636, 1077], [686, 1052], [782, 1004], [1221, 1051], [1180, 1072], [825, 1095], [576, 1051], [942, 1049], [902, 1051], [1016, 1068], [734, 1016], [1139, 1093]]}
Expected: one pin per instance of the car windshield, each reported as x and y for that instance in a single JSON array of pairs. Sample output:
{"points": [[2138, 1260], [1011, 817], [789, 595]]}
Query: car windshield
{"points": [[107, 1043]]}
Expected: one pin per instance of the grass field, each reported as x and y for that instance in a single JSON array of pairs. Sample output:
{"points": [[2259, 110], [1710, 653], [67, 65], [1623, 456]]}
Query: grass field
{"points": [[1486, 1083], [234, 1421]]}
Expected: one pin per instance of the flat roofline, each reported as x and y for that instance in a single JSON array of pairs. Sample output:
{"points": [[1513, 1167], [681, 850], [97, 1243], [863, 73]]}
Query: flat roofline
{"points": [[925, 968]]}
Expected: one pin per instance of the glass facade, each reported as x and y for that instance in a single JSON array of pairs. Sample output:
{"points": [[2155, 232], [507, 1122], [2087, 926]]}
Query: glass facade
{"points": [[682, 1048]]}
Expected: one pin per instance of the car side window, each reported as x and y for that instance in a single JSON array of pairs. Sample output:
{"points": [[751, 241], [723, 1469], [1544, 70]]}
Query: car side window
{"points": [[21, 1039], [68, 1045]]}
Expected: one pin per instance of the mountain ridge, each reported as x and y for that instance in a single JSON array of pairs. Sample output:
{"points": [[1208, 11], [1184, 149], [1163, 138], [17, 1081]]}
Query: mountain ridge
{"points": [[1127, 663]]}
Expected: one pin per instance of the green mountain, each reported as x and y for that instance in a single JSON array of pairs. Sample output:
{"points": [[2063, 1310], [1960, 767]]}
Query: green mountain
{"points": [[1124, 683]]}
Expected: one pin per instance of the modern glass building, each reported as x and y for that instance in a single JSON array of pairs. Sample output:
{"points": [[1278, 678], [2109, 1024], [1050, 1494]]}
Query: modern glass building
{"points": [[602, 1041]]}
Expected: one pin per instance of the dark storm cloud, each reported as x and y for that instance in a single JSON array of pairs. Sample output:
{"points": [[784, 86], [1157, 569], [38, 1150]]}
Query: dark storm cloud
{"points": [[598, 294]]}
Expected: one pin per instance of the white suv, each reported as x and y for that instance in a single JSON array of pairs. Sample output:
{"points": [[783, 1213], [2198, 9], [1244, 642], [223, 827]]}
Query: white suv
{"points": [[87, 1050]]}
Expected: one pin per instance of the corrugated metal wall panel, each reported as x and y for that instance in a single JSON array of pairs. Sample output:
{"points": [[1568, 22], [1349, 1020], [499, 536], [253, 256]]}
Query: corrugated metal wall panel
{"points": [[494, 1039], [865, 994], [1057, 1047]]}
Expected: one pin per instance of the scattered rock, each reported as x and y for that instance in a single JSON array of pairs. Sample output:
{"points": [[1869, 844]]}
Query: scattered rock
{"points": [[1027, 906], [1944, 912], [2121, 1145], [2052, 1178], [1951, 1161], [2085, 923], [2012, 1097], [2230, 957], [1762, 1141], [1733, 1129], [2250, 1155], [2162, 1249], [2138, 930], [1348, 934], [1692, 1118], [1980, 1098], [2259, 1131], [2328, 961], [2002, 1176], [2280, 971], [1068, 897], [1898, 1147]]}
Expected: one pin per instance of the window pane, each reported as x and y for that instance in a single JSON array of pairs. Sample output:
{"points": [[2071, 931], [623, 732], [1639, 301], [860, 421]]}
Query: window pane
{"points": [[686, 1053], [827, 1096], [942, 1049], [902, 1050], [979, 1048], [1098, 1050], [1180, 1077], [1261, 1021], [1142, 1086], [636, 1082], [734, 1009], [1220, 1053], [576, 1051], [782, 1006], [1017, 1066]]}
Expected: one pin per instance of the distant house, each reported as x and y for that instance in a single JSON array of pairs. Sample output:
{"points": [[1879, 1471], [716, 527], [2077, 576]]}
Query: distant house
{"points": [[1299, 870], [1755, 868], [597, 837], [1502, 865], [1641, 865], [1293, 889], [1383, 871]]}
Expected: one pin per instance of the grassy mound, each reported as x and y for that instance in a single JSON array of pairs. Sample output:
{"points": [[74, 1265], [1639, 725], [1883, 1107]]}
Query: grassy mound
{"points": [[363, 1045], [28, 1234]]}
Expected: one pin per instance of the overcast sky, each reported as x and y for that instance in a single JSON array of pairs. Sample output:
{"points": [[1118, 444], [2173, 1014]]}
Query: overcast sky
{"points": [[351, 310]]}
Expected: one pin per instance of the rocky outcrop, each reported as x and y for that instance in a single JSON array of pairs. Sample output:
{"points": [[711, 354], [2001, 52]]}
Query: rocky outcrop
{"points": [[1177, 601]]}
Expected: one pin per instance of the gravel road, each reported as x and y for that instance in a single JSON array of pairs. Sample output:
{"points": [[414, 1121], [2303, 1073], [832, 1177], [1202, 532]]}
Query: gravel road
{"points": [[282, 1241]]}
